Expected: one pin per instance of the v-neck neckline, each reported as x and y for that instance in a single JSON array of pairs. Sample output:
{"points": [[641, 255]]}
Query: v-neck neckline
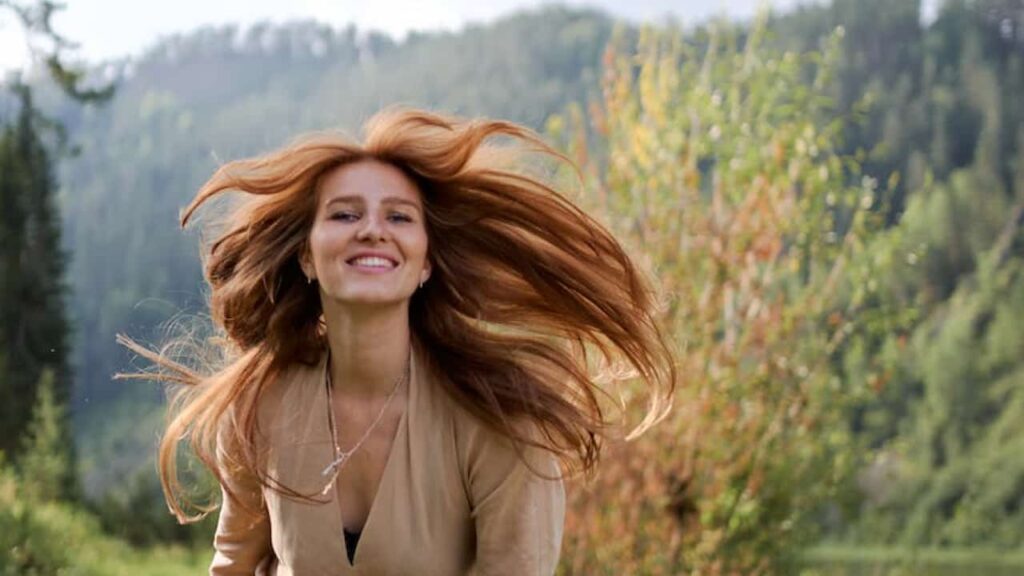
{"points": [[364, 533]]}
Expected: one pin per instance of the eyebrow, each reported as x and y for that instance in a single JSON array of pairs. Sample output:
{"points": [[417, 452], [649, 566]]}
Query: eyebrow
{"points": [[353, 199]]}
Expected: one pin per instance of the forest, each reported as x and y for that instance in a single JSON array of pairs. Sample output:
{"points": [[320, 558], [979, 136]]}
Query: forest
{"points": [[831, 198]]}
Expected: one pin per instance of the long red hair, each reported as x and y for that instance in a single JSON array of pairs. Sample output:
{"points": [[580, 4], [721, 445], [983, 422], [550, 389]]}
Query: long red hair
{"points": [[525, 288]]}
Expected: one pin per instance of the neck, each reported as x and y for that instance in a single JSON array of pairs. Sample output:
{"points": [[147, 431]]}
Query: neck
{"points": [[369, 348]]}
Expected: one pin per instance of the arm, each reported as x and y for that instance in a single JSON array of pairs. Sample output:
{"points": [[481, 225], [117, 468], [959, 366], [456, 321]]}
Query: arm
{"points": [[517, 514], [242, 541]]}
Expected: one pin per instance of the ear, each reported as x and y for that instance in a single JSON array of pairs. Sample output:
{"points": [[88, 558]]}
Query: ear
{"points": [[425, 273], [306, 262]]}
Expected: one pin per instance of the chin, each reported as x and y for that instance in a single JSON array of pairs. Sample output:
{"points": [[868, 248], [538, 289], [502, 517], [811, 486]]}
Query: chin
{"points": [[370, 299]]}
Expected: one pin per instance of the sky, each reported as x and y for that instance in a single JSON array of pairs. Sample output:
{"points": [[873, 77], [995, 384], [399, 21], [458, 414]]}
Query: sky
{"points": [[106, 29]]}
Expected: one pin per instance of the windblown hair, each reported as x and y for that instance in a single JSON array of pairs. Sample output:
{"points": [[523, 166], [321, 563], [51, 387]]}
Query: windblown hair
{"points": [[524, 284]]}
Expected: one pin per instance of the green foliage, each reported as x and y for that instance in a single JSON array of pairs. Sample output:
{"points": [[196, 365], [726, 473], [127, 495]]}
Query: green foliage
{"points": [[719, 163], [39, 538], [941, 283], [919, 319], [33, 324], [850, 561], [136, 512], [50, 538], [963, 474], [41, 535], [44, 454], [944, 94]]}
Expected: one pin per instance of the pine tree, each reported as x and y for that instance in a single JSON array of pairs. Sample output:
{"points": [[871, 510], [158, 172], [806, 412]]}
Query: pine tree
{"points": [[44, 461], [13, 384], [33, 324], [34, 329]]}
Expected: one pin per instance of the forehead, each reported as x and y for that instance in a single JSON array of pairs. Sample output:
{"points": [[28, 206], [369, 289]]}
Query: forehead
{"points": [[368, 181]]}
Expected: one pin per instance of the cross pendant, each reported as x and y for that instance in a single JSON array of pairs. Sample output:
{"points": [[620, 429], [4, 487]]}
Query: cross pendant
{"points": [[336, 463]]}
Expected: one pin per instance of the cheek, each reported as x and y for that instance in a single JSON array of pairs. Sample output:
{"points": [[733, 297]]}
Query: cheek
{"points": [[421, 246], [315, 244], [323, 243]]}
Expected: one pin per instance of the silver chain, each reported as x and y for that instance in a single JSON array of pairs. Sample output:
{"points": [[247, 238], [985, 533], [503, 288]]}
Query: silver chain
{"points": [[342, 456]]}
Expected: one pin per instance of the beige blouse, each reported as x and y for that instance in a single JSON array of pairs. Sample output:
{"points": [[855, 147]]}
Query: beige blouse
{"points": [[454, 498]]}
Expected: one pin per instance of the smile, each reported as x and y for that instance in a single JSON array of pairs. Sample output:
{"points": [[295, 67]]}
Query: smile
{"points": [[373, 263]]}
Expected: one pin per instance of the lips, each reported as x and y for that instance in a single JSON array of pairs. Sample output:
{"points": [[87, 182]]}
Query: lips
{"points": [[374, 261]]}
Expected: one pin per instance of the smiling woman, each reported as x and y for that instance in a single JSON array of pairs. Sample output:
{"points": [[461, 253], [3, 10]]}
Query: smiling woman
{"points": [[408, 324], [358, 205]]}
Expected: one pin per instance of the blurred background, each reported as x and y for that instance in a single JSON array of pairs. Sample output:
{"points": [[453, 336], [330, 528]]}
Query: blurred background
{"points": [[830, 195]]}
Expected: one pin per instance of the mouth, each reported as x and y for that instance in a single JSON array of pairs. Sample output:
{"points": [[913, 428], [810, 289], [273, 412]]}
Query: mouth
{"points": [[372, 263]]}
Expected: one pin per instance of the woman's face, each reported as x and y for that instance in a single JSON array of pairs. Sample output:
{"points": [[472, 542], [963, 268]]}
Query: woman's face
{"points": [[368, 244]]}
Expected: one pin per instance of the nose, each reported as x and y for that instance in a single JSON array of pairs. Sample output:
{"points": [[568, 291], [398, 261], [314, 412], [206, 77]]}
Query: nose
{"points": [[372, 230]]}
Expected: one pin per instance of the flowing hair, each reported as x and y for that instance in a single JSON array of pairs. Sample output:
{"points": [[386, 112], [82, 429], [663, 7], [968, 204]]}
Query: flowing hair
{"points": [[525, 287]]}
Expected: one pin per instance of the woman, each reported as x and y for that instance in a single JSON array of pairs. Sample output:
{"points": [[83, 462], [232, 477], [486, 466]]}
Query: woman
{"points": [[409, 327]]}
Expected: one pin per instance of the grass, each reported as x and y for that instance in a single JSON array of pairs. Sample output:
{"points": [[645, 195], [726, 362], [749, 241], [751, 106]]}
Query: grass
{"points": [[877, 561], [162, 561]]}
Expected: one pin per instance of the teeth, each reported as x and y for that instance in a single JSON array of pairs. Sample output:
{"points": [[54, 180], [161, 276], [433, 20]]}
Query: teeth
{"points": [[373, 261]]}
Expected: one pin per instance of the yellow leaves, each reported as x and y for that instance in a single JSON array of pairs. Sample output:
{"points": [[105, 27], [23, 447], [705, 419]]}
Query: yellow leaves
{"points": [[766, 247], [878, 381], [641, 141], [691, 178], [778, 152], [653, 107], [720, 172]]}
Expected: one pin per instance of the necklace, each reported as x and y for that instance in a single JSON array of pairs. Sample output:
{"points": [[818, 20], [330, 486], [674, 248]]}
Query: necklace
{"points": [[342, 456]]}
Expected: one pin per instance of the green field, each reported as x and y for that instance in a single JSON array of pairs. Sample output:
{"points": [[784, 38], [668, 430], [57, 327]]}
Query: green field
{"points": [[855, 561]]}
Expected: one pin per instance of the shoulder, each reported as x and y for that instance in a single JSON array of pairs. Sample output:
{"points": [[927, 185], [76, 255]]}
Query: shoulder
{"points": [[485, 451], [287, 393], [477, 440]]}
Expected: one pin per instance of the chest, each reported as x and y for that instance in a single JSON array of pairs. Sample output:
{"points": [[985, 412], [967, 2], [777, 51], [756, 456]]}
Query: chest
{"points": [[405, 491], [366, 444]]}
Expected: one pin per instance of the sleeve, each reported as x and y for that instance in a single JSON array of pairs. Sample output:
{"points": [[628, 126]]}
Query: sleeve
{"points": [[242, 541], [518, 515]]}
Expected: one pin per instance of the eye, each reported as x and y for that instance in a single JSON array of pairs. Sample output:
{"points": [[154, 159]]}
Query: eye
{"points": [[344, 216], [399, 217]]}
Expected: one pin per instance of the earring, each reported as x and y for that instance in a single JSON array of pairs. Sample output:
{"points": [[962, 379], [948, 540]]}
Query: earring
{"points": [[421, 283], [309, 279]]}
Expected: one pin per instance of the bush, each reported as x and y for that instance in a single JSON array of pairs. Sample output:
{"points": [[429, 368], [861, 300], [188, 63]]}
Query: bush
{"points": [[720, 163], [42, 538], [59, 539]]}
